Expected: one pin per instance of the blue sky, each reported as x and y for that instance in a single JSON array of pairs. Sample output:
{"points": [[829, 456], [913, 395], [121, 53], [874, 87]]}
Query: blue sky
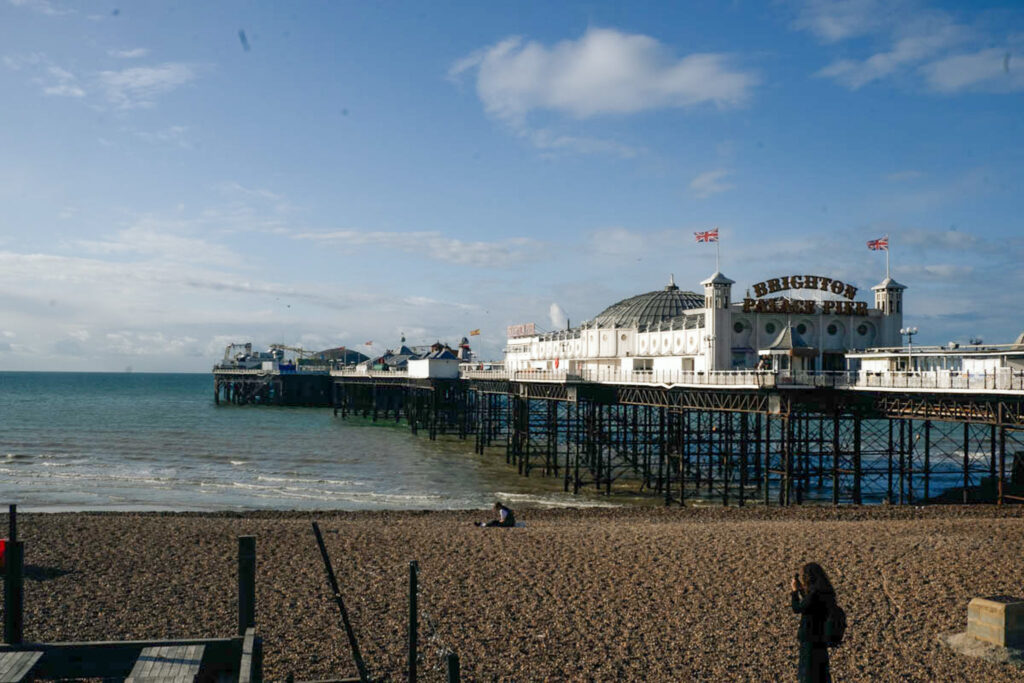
{"points": [[352, 171]]}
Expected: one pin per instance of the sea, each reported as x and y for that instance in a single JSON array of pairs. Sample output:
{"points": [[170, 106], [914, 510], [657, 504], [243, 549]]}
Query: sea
{"points": [[157, 442]]}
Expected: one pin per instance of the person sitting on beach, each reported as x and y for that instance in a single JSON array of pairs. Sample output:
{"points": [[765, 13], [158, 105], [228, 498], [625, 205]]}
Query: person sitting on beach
{"points": [[505, 517], [813, 597]]}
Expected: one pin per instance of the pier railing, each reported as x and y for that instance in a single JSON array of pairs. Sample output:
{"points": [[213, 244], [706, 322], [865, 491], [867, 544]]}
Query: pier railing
{"points": [[737, 378], [1001, 380], [303, 370], [351, 372]]}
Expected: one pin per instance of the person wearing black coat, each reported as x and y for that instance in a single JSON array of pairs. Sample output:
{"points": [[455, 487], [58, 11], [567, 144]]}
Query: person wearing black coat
{"points": [[506, 518], [812, 598]]}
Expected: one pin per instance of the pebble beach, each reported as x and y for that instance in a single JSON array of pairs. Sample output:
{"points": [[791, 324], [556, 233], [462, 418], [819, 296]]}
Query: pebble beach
{"points": [[597, 594]]}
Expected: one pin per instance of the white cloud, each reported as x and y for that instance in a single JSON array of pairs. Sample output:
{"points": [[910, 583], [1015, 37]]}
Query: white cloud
{"points": [[835, 20], [604, 72], [435, 245], [912, 43], [152, 239], [64, 84], [64, 90], [129, 54], [917, 42], [937, 272], [952, 240], [172, 135], [903, 176], [991, 70], [236, 188], [41, 6], [140, 86], [53, 79], [710, 183], [547, 140]]}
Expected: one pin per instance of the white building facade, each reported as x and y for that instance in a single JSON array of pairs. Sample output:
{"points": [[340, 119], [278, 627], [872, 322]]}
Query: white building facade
{"points": [[793, 322]]}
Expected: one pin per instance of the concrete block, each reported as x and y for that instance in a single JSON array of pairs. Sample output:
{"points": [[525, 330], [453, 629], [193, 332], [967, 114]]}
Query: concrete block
{"points": [[998, 620]]}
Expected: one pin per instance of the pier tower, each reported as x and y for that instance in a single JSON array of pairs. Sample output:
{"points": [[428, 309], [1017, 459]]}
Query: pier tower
{"points": [[889, 300], [717, 333]]}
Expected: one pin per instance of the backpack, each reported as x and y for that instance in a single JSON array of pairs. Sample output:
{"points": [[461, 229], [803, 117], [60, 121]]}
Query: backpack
{"points": [[835, 625]]}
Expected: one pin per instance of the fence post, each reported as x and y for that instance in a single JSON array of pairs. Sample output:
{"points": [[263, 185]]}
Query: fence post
{"points": [[14, 593], [12, 523], [413, 619], [453, 668], [246, 583]]}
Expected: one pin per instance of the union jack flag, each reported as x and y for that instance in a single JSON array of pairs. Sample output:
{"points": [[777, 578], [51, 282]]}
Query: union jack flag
{"points": [[707, 235], [879, 244]]}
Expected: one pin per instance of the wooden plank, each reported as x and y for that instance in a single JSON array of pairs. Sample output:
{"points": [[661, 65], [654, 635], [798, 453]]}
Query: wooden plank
{"points": [[143, 665], [16, 666], [245, 664], [167, 664], [7, 662], [160, 665]]}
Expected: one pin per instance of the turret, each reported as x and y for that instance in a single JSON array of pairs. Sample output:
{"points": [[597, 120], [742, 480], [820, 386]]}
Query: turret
{"points": [[717, 293], [717, 290], [889, 300]]}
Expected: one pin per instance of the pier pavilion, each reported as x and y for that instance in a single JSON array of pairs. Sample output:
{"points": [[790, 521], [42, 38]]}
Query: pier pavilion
{"points": [[788, 323]]}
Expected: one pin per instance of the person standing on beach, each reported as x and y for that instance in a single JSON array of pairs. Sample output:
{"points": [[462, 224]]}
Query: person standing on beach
{"points": [[505, 517], [813, 597]]}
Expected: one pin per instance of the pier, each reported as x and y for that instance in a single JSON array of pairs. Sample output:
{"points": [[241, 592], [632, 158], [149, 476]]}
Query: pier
{"points": [[733, 437], [690, 396]]}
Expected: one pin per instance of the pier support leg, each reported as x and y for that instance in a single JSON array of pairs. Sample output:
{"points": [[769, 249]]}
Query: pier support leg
{"points": [[744, 452], [927, 459], [967, 460], [1002, 462], [857, 499], [835, 457]]}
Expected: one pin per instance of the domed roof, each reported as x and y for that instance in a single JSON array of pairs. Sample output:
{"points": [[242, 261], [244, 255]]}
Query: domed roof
{"points": [[652, 307]]}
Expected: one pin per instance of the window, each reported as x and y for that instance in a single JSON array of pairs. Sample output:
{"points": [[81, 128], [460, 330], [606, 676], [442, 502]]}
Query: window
{"points": [[737, 328], [832, 329], [862, 329], [802, 328], [770, 328]]}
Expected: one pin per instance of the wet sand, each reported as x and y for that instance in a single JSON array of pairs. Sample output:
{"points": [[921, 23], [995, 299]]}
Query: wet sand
{"points": [[608, 594]]}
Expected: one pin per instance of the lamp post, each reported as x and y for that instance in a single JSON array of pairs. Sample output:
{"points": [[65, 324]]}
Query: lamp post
{"points": [[909, 332]]}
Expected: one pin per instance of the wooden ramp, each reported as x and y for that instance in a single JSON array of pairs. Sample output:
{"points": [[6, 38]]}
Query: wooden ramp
{"points": [[17, 666], [237, 659], [168, 664]]}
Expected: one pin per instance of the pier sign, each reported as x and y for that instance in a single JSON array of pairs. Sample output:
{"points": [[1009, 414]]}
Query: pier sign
{"points": [[819, 282], [522, 330], [804, 306]]}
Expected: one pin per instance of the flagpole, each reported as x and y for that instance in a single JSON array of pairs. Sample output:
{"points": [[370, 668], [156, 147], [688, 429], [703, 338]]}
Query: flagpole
{"points": [[886, 257], [718, 250]]}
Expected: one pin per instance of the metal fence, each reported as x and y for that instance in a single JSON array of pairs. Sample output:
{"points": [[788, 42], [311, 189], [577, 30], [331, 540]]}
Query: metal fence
{"points": [[1004, 379]]}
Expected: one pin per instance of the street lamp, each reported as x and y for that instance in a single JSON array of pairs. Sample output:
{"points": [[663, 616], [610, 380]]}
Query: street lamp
{"points": [[909, 332]]}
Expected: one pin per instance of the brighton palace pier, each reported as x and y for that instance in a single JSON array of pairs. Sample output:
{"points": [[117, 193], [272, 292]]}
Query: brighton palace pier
{"points": [[798, 391]]}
